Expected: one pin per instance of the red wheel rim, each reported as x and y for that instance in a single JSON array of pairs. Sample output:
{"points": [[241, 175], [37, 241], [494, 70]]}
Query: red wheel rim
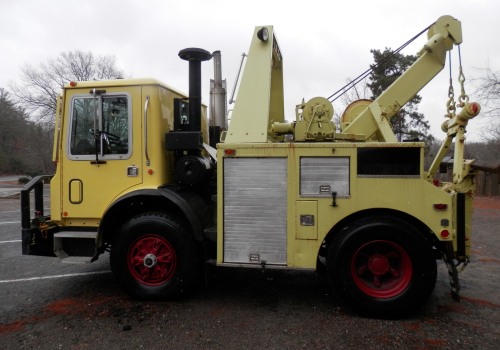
{"points": [[151, 260], [381, 269]]}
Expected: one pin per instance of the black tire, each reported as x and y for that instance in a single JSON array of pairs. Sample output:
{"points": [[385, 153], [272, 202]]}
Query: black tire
{"points": [[382, 267], [154, 257]]}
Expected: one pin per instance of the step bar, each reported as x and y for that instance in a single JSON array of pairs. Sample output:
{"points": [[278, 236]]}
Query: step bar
{"points": [[75, 247]]}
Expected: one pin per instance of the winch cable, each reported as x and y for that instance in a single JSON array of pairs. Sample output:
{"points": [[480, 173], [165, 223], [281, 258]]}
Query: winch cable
{"points": [[337, 94]]}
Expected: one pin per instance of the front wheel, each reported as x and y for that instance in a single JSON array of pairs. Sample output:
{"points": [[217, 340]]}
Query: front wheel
{"points": [[382, 267], [154, 257]]}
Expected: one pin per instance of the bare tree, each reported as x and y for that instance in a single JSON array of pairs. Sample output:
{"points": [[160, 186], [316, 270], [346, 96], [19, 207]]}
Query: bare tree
{"points": [[355, 89], [37, 94], [358, 91], [489, 92]]}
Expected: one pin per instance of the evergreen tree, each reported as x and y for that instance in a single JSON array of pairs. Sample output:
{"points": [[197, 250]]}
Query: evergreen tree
{"points": [[409, 124], [13, 128]]}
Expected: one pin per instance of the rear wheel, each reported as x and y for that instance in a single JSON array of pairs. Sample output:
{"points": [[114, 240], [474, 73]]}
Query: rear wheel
{"points": [[382, 267], [154, 257]]}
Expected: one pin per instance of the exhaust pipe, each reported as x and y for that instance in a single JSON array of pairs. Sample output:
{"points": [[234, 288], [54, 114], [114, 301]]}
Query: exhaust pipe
{"points": [[218, 104], [195, 56], [218, 94], [191, 168]]}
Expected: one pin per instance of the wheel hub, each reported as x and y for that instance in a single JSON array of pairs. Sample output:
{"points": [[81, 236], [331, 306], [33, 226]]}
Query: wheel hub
{"points": [[381, 269], [378, 264], [150, 260]]}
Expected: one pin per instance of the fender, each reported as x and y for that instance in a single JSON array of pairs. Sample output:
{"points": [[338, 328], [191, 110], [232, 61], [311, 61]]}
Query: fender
{"points": [[190, 204]]}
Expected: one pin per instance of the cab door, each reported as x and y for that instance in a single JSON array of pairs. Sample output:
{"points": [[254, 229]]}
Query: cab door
{"points": [[102, 150]]}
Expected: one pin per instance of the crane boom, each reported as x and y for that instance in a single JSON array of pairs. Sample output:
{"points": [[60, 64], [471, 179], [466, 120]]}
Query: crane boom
{"points": [[374, 120]]}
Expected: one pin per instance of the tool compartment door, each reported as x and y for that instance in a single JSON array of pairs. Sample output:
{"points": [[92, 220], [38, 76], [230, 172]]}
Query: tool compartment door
{"points": [[255, 210]]}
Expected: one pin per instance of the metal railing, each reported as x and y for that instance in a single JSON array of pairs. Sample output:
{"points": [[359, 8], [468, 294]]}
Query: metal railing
{"points": [[35, 184]]}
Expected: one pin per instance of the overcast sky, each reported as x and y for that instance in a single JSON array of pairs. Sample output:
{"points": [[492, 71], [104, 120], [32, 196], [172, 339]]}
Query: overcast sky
{"points": [[323, 42]]}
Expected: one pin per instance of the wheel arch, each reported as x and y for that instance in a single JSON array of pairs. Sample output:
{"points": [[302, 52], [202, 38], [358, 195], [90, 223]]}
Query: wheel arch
{"points": [[382, 265], [378, 212], [186, 205]]}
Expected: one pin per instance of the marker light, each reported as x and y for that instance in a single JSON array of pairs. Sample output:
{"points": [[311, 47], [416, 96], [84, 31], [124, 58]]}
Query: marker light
{"points": [[72, 83], [440, 206], [444, 233], [229, 152]]}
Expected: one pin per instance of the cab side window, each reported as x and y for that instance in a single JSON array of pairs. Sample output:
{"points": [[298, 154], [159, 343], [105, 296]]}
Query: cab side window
{"points": [[115, 126], [100, 125], [82, 140]]}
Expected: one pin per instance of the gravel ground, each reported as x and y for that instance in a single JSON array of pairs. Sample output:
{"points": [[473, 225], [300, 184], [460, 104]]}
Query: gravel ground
{"points": [[251, 309]]}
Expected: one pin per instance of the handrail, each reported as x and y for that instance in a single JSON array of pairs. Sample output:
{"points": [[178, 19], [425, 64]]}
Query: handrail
{"points": [[37, 184], [146, 104]]}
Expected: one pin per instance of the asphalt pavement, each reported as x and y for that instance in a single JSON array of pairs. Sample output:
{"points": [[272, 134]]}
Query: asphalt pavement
{"points": [[46, 304], [9, 186]]}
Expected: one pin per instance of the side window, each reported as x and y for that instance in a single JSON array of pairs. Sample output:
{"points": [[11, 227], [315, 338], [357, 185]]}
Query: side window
{"points": [[181, 114], [82, 140], [115, 126], [101, 125]]}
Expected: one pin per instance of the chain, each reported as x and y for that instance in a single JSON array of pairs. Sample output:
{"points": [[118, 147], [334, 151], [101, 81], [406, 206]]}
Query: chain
{"points": [[447, 253], [461, 265], [463, 98], [450, 104]]}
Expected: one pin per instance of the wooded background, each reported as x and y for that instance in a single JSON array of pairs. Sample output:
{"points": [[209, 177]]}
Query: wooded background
{"points": [[27, 109]]}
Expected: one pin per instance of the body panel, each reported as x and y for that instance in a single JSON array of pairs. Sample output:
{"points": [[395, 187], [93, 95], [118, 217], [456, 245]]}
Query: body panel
{"points": [[411, 195]]}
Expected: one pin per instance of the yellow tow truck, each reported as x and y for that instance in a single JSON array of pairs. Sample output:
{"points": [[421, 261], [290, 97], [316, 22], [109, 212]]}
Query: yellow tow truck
{"points": [[143, 173]]}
